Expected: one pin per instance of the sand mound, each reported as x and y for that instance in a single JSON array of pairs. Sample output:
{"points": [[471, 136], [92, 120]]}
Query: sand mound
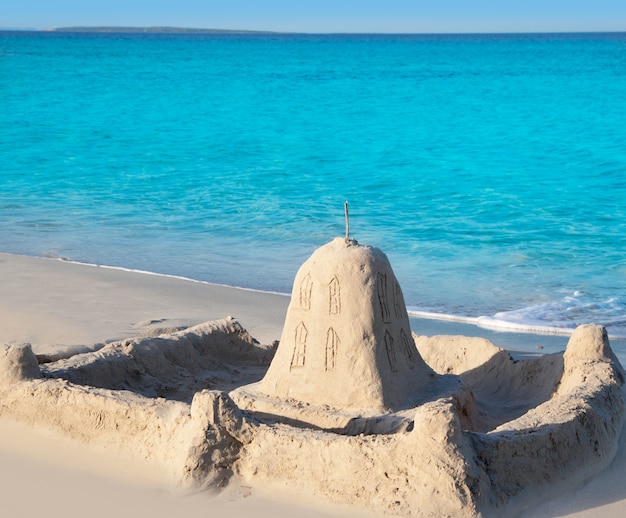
{"points": [[17, 363], [347, 341], [216, 355]]}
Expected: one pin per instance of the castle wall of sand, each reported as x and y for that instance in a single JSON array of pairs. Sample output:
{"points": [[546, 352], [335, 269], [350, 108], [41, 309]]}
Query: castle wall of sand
{"points": [[425, 472], [569, 436], [503, 389], [217, 355], [113, 397], [436, 467]]}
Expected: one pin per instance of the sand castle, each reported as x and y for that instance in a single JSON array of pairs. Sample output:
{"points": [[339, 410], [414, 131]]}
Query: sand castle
{"points": [[351, 407]]}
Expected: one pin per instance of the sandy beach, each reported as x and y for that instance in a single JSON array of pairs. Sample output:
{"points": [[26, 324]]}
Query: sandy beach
{"points": [[60, 307]]}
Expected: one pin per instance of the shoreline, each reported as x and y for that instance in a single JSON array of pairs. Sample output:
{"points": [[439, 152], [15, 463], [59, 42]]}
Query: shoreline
{"points": [[484, 323], [147, 272], [64, 306], [149, 300]]}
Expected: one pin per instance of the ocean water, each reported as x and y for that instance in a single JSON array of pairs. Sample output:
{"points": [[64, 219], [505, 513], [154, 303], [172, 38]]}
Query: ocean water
{"points": [[490, 168]]}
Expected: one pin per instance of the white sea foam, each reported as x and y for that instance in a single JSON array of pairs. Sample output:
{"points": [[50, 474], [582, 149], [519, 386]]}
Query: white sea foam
{"points": [[165, 275], [558, 317]]}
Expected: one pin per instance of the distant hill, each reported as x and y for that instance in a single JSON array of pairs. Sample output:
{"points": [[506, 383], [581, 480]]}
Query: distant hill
{"points": [[170, 30], [22, 29]]}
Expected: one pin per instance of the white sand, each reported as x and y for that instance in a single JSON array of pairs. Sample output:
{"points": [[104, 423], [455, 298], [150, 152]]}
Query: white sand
{"points": [[57, 306], [53, 304]]}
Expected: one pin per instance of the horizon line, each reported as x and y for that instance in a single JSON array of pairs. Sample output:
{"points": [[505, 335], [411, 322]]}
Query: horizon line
{"points": [[165, 29]]}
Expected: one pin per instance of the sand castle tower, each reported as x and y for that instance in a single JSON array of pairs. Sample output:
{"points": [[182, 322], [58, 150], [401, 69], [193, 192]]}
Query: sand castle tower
{"points": [[346, 360], [347, 342]]}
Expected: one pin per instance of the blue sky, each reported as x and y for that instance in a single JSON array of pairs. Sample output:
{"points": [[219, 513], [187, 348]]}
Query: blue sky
{"points": [[325, 15]]}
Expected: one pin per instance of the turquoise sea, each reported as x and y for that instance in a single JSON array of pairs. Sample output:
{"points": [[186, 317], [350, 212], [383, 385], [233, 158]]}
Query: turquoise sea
{"points": [[490, 168]]}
